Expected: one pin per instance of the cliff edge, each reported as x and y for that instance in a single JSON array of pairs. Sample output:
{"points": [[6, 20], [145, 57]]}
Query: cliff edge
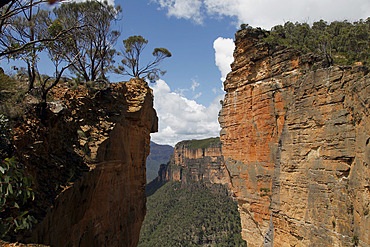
{"points": [[88, 162], [196, 160], [296, 142]]}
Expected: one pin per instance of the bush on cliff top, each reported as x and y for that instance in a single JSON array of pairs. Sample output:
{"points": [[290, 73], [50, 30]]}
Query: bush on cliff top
{"points": [[342, 42], [204, 143]]}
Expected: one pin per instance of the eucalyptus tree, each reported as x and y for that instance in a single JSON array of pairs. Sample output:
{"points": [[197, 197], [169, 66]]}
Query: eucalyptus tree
{"points": [[18, 38], [89, 48], [134, 47], [11, 10], [24, 32]]}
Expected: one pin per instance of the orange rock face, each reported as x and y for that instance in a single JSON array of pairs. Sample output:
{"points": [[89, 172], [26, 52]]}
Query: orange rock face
{"points": [[196, 164], [109, 133], [296, 144]]}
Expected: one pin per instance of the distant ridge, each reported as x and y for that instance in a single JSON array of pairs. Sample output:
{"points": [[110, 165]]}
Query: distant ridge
{"points": [[159, 154]]}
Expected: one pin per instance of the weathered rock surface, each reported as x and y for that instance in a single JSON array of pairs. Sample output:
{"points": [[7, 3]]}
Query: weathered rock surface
{"points": [[296, 142], [192, 162], [89, 165], [7, 244]]}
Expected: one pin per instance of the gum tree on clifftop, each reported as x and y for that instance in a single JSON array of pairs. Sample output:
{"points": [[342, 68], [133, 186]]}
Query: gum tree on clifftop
{"points": [[134, 46], [89, 48], [21, 33]]}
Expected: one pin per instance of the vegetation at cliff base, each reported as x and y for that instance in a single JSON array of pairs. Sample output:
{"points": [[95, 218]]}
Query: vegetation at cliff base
{"points": [[193, 214], [341, 42]]}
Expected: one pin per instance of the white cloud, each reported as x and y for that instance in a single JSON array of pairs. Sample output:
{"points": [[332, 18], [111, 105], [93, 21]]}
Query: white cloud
{"points": [[224, 49], [268, 13], [187, 9], [181, 118], [191, 90], [194, 85], [197, 95]]}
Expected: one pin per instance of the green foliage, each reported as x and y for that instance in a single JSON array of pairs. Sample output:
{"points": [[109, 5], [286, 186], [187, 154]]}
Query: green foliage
{"points": [[245, 26], [355, 240], [12, 93], [161, 52], [340, 42], [15, 191], [17, 27], [5, 147], [4, 132], [191, 215], [136, 42], [205, 143], [6, 82], [26, 31], [134, 46], [15, 187], [88, 40]]}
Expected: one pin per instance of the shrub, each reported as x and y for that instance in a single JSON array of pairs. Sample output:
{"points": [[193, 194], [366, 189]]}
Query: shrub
{"points": [[15, 191]]}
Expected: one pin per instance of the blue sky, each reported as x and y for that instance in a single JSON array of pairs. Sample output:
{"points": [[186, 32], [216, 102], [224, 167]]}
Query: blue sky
{"points": [[188, 95], [199, 34], [191, 45]]}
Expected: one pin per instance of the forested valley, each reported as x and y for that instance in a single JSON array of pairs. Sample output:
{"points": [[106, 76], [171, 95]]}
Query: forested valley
{"points": [[191, 214]]}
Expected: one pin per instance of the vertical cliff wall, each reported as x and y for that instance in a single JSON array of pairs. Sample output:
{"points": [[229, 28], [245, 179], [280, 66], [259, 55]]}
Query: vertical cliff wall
{"points": [[296, 142], [196, 160], [89, 165]]}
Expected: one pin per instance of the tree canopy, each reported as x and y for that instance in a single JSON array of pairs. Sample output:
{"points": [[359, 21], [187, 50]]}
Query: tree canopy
{"points": [[134, 47], [191, 214], [342, 42], [89, 48]]}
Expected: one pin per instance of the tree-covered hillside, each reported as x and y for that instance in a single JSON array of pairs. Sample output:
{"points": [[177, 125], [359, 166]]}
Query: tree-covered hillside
{"points": [[191, 215], [342, 42]]}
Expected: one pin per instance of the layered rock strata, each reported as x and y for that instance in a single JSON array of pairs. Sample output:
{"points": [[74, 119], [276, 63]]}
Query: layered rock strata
{"points": [[193, 161], [296, 142], [100, 199]]}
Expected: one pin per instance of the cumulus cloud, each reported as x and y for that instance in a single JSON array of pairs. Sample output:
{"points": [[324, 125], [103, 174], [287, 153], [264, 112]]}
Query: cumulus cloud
{"points": [[268, 13], [181, 118], [224, 49], [187, 9]]}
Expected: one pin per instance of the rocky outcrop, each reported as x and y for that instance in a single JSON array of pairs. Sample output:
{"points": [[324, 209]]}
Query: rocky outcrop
{"points": [[296, 142], [89, 165], [196, 160]]}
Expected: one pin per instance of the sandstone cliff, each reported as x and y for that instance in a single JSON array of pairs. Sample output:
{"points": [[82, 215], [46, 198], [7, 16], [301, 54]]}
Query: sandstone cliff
{"points": [[88, 160], [196, 160], [296, 142]]}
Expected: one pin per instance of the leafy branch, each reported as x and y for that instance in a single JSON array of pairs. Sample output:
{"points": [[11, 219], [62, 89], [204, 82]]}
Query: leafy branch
{"points": [[15, 191], [131, 59]]}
